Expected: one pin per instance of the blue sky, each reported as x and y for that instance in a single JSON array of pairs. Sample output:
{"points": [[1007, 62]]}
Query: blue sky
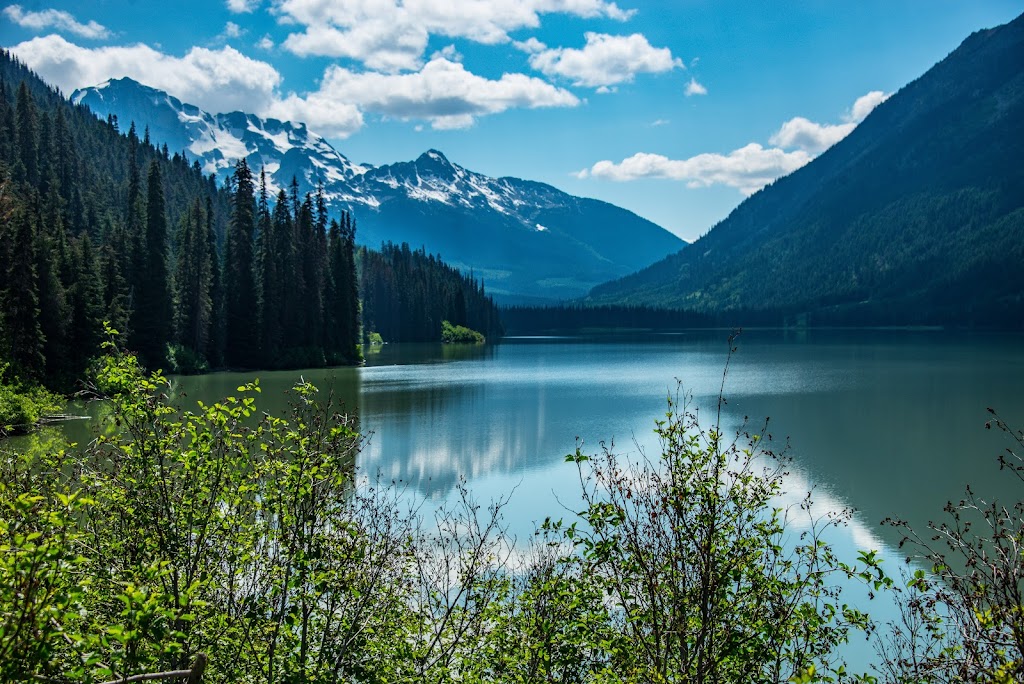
{"points": [[675, 110]]}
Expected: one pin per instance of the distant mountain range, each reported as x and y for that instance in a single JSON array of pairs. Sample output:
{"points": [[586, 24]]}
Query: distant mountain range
{"points": [[528, 241], [917, 217]]}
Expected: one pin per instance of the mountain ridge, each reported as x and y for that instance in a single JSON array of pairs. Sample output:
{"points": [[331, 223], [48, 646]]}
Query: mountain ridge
{"points": [[914, 218], [529, 240]]}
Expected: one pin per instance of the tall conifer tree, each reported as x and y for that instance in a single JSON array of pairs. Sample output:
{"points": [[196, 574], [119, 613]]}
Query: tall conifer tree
{"points": [[271, 281], [154, 310], [20, 296], [193, 281], [242, 342]]}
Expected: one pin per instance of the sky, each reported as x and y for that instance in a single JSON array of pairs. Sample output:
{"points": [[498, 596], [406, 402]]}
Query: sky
{"points": [[675, 109]]}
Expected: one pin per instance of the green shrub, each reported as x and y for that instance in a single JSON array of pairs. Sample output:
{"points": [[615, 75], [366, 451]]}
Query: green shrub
{"points": [[185, 361], [23, 405], [458, 334]]}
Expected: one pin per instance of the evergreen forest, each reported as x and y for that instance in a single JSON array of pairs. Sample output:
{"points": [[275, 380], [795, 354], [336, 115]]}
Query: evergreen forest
{"points": [[99, 224]]}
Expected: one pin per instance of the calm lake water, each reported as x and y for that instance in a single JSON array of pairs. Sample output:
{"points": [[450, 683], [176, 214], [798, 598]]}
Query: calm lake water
{"points": [[890, 423]]}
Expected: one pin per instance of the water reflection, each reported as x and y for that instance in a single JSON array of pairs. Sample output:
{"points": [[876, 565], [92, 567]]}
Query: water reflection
{"points": [[891, 423]]}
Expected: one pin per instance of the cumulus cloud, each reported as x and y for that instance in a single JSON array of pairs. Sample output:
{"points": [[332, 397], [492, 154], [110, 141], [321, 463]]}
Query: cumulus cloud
{"points": [[605, 60], [865, 104], [442, 92], [217, 80], [809, 135], [695, 88], [379, 43], [265, 43], [233, 30], [393, 34], [55, 19], [530, 46], [817, 137], [748, 168], [242, 6]]}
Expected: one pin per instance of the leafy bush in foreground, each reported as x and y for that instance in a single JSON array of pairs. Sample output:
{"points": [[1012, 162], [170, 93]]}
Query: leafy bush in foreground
{"points": [[251, 538]]}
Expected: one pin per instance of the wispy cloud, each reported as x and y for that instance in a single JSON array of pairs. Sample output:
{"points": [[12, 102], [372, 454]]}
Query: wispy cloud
{"points": [[55, 19], [242, 6], [233, 30], [695, 88]]}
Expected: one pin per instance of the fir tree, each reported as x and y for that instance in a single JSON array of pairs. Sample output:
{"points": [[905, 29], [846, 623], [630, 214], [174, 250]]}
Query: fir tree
{"points": [[23, 335], [26, 125], [240, 287], [85, 300], [154, 312], [215, 347], [193, 279], [271, 282]]}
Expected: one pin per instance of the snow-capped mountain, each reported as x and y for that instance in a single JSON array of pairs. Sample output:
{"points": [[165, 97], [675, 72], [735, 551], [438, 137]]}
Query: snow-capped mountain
{"points": [[527, 240]]}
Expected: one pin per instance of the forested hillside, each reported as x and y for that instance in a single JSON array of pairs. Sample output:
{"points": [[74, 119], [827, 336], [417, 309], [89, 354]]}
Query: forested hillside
{"points": [[409, 293], [100, 224], [915, 218]]}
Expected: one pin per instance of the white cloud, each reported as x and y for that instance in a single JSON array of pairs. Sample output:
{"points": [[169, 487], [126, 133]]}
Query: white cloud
{"points": [[443, 92], [55, 19], [217, 80], [530, 46], [749, 168], [321, 113], [809, 135], [448, 52], [660, 122], [865, 104], [816, 137], [695, 88], [265, 43], [233, 30], [381, 43], [393, 34], [605, 60], [242, 6]]}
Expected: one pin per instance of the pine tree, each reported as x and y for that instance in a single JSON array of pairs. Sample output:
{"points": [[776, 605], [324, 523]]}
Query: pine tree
{"points": [[341, 305], [85, 300], [114, 286], [52, 260], [154, 311], [289, 265], [242, 341], [271, 282], [349, 291], [23, 335], [26, 125], [193, 280], [215, 347]]}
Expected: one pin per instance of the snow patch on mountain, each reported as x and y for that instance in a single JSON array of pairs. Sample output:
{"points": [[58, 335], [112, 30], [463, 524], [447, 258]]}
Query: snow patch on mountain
{"points": [[488, 224]]}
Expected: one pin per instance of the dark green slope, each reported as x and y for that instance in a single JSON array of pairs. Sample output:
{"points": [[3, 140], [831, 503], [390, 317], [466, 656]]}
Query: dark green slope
{"points": [[917, 217]]}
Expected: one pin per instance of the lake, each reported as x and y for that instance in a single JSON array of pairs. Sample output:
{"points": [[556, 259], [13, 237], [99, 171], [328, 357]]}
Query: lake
{"points": [[888, 422]]}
